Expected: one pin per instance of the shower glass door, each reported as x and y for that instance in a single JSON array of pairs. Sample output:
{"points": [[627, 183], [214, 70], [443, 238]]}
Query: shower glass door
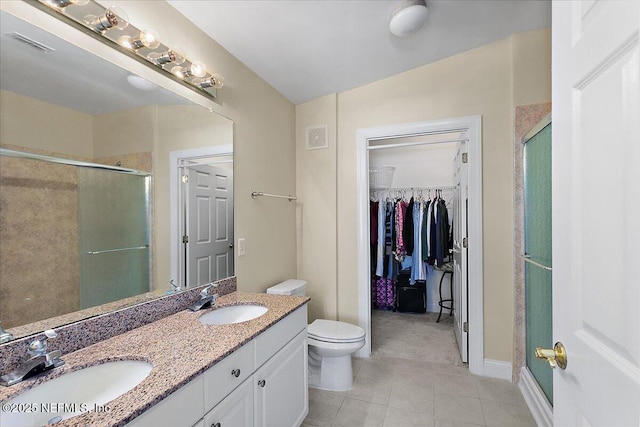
{"points": [[114, 235], [537, 243]]}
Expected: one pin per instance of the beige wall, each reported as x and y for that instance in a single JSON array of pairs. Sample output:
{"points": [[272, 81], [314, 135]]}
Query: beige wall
{"points": [[316, 207], [481, 81], [34, 124], [264, 147]]}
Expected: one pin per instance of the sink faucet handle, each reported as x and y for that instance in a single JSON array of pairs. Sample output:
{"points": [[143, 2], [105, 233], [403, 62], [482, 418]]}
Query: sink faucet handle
{"points": [[205, 291], [39, 347]]}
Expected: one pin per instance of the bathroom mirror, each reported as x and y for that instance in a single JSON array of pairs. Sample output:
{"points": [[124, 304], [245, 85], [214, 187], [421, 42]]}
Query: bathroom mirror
{"points": [[85, 200]]}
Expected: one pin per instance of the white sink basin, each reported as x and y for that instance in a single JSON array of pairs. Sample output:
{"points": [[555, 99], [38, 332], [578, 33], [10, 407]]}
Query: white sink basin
{"points": [[233, 314], [74, 393]]}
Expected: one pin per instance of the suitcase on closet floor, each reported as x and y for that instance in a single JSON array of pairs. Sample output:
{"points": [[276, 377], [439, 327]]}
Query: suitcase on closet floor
{"points": [[411, 298]]}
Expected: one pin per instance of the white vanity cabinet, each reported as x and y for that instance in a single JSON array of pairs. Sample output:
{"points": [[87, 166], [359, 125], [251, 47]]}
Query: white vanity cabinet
{"points": [[263, 383], [281, 397]]}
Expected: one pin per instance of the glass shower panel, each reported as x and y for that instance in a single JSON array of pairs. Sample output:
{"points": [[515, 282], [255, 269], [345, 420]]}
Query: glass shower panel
{"points": [[537, 238], [114, 236]]}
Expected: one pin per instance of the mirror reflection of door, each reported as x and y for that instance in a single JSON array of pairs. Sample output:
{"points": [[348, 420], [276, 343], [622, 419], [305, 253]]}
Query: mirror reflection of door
{"points": [[208, 228]]}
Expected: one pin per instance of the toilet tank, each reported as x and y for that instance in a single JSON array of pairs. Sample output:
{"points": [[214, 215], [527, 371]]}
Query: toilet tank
{"points": [[289, 287]]}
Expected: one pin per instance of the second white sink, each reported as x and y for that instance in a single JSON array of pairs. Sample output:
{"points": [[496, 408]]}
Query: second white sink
{"points": [[88, 389], [233, 314]]}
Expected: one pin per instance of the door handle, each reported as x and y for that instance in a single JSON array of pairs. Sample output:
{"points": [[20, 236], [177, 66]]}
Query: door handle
{"points": [[235, 373], [557, 356], [262, 383]]}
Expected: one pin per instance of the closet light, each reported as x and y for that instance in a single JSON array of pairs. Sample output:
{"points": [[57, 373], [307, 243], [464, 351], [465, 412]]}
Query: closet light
{"points": [[147, 38], [113, 17]]}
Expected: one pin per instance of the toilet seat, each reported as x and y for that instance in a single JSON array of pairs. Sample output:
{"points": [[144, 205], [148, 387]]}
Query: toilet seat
{"points": [[333, 331]]}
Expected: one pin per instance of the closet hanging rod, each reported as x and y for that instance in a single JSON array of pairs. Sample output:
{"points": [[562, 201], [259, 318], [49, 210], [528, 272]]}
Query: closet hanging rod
{"points": [[443, 188], [289, 197], [412, 144]]}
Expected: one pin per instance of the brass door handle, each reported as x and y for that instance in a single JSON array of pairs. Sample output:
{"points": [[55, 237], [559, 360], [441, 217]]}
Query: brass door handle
{"points": [[556, 356]]}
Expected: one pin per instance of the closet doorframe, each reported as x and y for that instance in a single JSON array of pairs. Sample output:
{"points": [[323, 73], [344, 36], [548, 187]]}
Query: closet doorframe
{"points": [[472, 125]]}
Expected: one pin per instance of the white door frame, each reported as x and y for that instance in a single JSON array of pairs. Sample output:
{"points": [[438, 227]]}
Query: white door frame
{"points": [[175, 160], [473, 126]]}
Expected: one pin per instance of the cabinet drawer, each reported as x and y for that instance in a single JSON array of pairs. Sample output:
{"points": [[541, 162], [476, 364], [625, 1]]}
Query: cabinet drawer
{"points": [[228, 374], [277, 336], [236, 410], [182, 407]]}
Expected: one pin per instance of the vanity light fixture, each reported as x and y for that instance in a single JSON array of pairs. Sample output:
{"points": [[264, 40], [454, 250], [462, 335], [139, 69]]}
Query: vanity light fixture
{"points": [[216, 81], [144, 45], [161, 58], [112, 18], [61, 4], [197, 69], [147, 38]]}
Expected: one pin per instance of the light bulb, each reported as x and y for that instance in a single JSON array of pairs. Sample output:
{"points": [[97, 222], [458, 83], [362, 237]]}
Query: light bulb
{"points": [[113, 17], [180, 72], [198, 69], [161, 58], [61, 4], [148, 39], [215, 81]]}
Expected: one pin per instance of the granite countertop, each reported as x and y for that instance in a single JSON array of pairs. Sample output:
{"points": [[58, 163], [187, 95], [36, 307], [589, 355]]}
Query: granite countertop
{"points": [[178, 346]]}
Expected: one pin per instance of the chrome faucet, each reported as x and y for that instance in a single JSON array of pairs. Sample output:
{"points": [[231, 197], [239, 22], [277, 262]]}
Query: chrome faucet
{"points": [[5, 336], [206, 299], [40, 360]]}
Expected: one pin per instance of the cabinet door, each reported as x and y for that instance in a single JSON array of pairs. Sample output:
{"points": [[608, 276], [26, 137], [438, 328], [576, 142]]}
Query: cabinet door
{"points": [[281, 386], [236, 410]]}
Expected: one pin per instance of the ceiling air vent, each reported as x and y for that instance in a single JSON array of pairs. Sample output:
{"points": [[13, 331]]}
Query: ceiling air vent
{"points": [[31, 42], [317, 137]]}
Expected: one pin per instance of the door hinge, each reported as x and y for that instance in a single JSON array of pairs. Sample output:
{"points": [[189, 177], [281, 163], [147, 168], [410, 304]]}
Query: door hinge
{"points": [[465, 327], [465, 157], [185, 239], [185, 179], [464, 242]]}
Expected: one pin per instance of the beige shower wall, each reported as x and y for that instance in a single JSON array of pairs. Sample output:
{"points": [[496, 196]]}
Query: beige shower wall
{"points": [[480, 81]]}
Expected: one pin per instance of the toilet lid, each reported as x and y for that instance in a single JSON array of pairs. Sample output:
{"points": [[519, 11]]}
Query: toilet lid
{"points": [[334, 331]]}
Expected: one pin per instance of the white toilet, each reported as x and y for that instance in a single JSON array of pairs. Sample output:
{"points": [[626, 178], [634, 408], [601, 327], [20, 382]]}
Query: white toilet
{"points": [[331, 344]]}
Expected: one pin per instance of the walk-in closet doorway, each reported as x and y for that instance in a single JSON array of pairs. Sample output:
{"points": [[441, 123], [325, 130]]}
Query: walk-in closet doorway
{"points": [[463, 132]]}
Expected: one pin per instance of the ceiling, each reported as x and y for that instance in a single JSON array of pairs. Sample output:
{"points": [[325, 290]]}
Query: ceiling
{"points": [[307, 49]]}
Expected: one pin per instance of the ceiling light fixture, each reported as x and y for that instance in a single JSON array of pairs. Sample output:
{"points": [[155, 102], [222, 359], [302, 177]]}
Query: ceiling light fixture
{"points": [[408, 18]]}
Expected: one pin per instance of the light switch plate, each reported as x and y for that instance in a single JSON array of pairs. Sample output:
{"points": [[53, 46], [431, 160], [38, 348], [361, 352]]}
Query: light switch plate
{"points": [[242, 247]]}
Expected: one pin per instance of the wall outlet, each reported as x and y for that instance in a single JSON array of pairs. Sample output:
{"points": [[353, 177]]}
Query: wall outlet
{"points": [[242, 247]]}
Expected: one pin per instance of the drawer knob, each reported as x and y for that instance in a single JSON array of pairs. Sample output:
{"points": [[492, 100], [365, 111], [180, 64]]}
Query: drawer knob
{"points": [[262, 383], [235, 373], [216, 425]]}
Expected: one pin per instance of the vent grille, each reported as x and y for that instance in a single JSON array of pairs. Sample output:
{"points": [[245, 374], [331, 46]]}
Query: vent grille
{"points": [[31, 42], [317, 137]]}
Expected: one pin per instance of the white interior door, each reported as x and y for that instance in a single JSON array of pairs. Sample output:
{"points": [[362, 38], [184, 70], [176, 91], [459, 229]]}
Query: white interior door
{"points": [[209, 243], [596, 211], [460, 278]]}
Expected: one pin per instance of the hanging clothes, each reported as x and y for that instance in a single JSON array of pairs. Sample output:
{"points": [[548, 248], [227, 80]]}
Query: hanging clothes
{"points": [[407, 230], [401, 212], [382, 208], [418, 270]]}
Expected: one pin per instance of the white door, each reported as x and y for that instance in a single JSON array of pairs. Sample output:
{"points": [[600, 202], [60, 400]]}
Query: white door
{"points": [[209, 237], [460, 280], [596, 211]]}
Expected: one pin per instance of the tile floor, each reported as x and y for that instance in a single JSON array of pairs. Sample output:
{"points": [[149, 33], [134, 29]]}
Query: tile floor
{"points": [[415, 378]]}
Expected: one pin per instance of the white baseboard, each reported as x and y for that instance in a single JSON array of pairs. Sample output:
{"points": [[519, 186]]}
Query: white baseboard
{"points": [[536, 401], [497, 369]]}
